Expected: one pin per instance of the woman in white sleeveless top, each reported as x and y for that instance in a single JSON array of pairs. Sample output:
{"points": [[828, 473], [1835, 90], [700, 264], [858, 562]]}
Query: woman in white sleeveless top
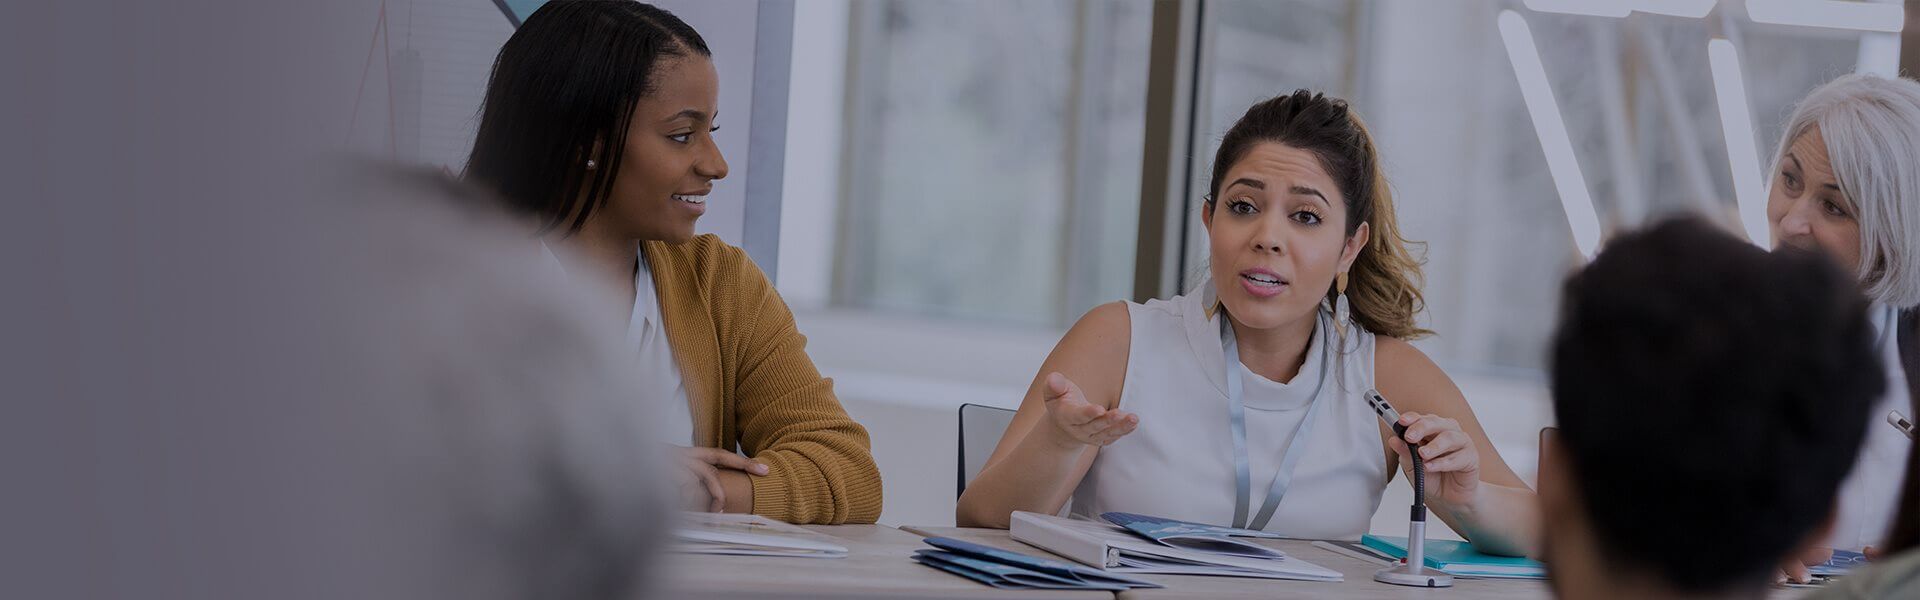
{"points": [[1312, 289]]}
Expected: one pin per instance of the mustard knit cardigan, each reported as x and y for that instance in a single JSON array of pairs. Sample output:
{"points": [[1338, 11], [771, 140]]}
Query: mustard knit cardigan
{"points": [[750, 383]]}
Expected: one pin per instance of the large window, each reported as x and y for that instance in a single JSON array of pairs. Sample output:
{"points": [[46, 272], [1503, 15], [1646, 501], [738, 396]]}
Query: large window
{"points": [[991, 153], [1466, 164], [992, 158]]}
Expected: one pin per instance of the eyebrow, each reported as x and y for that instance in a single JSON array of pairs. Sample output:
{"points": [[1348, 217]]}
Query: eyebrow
{"points": [[1796, 166], [1297, 189], [1249, 182], [1307, 191], [691, 113]]}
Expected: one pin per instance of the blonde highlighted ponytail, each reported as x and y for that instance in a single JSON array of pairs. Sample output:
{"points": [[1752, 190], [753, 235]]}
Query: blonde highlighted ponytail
{"points": [[1385, 280]]}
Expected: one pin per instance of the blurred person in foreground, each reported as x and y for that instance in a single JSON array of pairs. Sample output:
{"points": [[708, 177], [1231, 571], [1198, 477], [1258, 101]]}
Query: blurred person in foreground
{"points": [[231, 369], [598, 125], [382, 402], [1704, 421], [1844, 182]]}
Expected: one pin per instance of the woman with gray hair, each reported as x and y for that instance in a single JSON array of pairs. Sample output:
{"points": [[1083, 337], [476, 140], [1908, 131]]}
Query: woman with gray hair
{"points": [[1845, 182]]}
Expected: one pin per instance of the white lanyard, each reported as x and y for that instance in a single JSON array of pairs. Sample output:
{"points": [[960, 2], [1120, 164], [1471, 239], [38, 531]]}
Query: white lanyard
{"points": [[1243, 482]]}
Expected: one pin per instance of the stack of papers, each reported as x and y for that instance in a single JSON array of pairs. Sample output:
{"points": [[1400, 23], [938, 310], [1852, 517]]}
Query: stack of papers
{"points": [[1116, 549], [749, 535], [1842, 562], [1195, 536], [1459, 559], [1015, 571]]}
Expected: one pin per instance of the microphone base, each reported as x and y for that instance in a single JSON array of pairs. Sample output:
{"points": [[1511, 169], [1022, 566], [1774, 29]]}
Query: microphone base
{"points": [[1413, 576]]}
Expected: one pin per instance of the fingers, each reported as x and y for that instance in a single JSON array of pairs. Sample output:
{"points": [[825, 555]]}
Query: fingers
{"points": [[1795, 572], [1112, 424], [1449, 451], [1400, 447], [1059, 387], [693, 494], [721, 458], [717, 496], [1086, 431], [1078, 413], [1070, 409], [1421, 427], [700, 486], [1100, 430], [1443, 450], [1444, 443], [699, 475], [1082, 421], [1452, 463], [1115, 431], [1065, 401]]}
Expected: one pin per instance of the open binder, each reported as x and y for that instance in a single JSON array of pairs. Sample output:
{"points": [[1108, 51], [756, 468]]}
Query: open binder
{"points": [[1117, 550]]}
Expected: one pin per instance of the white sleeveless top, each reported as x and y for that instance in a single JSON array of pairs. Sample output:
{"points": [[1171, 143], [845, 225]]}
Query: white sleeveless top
{"points": [[1870, 495], [1179, 463]]}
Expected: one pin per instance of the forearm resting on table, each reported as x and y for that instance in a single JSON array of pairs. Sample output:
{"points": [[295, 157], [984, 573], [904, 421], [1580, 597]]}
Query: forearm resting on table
{"points": [[816, 484], [739, 490], [1029, 478], [1501, 520]]}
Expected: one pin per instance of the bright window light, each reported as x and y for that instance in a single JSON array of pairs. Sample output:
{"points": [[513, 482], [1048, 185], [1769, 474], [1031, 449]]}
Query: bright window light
{"points": [[1591, 8], [1736, 121], [1692, 9], [1552, 130], [1860, 16]]}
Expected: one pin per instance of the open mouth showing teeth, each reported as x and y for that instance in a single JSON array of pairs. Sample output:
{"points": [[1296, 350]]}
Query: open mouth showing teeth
{"points": [[690, 199], [1261, 280]]}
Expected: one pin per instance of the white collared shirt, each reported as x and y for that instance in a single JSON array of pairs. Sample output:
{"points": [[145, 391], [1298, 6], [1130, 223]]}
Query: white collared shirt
{"points": [[1871, 493], [658, 373], [647, 331]]}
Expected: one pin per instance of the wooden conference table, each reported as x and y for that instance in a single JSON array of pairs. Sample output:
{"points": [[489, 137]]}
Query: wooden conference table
{"points": [[877, 566]]}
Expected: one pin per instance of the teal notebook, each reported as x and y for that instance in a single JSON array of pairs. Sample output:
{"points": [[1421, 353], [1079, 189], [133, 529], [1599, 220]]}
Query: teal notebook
{"points": [[1460, 560]]}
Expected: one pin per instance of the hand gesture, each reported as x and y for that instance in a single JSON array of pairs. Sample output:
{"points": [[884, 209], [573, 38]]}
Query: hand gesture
{"points": [[1077, 422]]}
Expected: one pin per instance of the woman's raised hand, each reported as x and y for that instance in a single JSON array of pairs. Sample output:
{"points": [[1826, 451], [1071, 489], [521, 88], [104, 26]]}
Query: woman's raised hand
{"points": [[1077, 422]]}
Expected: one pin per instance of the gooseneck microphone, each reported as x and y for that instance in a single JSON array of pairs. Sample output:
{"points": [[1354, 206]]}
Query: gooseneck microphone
{"points": [[1413, 572]]}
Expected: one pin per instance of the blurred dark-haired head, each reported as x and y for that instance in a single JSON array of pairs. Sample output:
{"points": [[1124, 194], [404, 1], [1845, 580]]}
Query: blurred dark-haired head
{"points": [[1711, 397]]}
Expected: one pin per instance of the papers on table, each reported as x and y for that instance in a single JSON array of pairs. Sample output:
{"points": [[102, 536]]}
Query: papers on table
{"points": [[1015, 571], [1119, 550], [1842, 562], [1355, 550], [1459, 559], [749, 535], [1195, 536]]}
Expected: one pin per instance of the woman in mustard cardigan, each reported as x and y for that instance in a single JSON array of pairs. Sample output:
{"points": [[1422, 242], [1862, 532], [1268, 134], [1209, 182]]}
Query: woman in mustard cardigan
{"points": [[598, 121]]}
